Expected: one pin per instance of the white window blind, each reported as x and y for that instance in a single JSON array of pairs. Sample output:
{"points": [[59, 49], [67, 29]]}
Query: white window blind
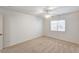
{"points": [[57, 25]]}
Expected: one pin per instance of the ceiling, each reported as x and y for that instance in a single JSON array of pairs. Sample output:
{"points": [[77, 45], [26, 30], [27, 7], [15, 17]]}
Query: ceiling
{"points": [[34, 10], [41, 10]]}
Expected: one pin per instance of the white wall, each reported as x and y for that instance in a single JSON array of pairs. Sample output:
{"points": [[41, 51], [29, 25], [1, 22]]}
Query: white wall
{"points": [[72, 27], [19, 27]]}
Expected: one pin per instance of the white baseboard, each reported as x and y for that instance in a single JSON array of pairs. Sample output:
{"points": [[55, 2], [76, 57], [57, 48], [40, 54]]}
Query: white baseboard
{"points": [[62, 39], [24, 41]]}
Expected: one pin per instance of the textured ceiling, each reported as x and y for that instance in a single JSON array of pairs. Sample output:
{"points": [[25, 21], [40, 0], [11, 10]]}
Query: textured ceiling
{"points": [[39, 10], [34, 10]]}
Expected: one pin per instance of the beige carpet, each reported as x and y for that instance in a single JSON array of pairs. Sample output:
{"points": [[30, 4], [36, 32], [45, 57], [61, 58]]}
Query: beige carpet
{"points": [[43, 45]]}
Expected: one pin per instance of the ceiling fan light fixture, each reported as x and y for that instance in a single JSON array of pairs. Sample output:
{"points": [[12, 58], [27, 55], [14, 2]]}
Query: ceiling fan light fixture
{"points": [[47, 16]]}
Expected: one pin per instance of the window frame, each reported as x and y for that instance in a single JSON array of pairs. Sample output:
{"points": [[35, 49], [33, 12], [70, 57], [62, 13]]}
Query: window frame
{"points": [[57, 25]]}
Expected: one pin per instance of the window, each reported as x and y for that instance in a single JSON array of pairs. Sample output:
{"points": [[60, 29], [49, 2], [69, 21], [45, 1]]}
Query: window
{"points": [[57, 25]]}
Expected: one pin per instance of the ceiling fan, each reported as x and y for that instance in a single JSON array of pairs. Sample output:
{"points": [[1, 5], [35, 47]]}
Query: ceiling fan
{"points": [[47, 10]]}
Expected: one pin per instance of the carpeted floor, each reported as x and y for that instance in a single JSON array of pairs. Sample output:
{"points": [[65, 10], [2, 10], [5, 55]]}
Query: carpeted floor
{"points": [[43, 45]]}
